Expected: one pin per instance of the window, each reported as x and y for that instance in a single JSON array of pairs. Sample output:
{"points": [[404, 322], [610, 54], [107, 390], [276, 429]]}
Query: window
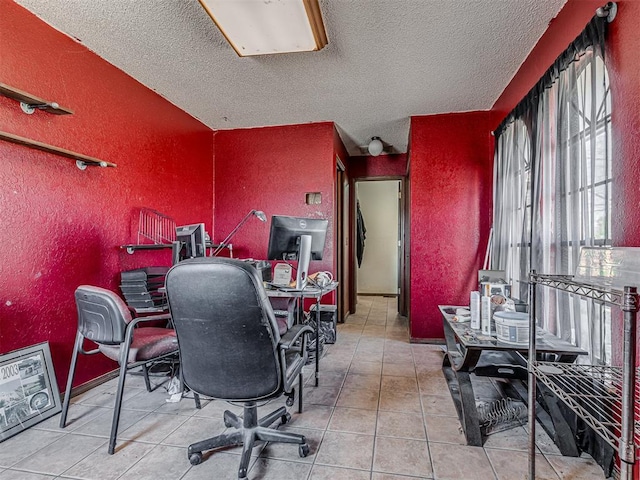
{"points": [[553, 184]]}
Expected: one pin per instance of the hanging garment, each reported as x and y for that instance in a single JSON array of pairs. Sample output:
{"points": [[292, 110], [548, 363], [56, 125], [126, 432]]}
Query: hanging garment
{"points": [[361, 233]]}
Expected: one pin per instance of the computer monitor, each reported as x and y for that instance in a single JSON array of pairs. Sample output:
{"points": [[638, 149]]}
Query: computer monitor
{"points": [[190, 242], [297, 238]]}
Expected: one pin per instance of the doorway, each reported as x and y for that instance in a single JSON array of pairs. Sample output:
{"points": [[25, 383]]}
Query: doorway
{"points": [[379, 243]]}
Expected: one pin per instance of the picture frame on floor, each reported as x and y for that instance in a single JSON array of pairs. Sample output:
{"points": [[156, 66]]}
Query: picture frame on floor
{"points": [[28, 389]]}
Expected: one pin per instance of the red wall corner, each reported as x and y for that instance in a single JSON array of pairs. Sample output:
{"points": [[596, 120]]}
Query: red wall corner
{"points": [[62, 227], [450, 212], [271, 169]]}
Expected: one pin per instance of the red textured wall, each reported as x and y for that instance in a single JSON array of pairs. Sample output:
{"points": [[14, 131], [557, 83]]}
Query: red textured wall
{"points": [[61, 227], [380, 166], [271, 169], [451, 182]]}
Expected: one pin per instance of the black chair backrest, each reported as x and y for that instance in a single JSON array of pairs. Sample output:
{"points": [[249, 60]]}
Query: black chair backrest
{"points": [[226, 329], [102, 315]]}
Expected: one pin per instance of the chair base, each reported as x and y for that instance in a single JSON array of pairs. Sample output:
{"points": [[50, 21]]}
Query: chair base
{"points": [[250, 430]]}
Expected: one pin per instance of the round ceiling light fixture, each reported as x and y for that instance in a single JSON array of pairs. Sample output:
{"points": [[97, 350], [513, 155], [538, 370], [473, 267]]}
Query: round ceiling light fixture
{"points": [[375, 146]]}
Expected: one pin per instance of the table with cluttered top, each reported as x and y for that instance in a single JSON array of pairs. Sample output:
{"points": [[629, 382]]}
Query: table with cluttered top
{"points": [[469, 351]]}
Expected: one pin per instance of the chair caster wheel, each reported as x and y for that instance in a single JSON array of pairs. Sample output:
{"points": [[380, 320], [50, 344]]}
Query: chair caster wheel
{"points": [[303, 450], [291, 398], [195, 458], [286, 418]]}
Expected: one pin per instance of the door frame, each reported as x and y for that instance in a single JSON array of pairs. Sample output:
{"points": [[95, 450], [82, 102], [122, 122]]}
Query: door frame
{"points": [[402, 234]]}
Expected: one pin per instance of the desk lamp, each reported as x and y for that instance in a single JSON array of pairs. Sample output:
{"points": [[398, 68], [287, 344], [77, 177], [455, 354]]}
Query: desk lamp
{"points": [[258, 213]]}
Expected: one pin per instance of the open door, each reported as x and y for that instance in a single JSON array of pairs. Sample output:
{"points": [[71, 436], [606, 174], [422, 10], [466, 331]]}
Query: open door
{"points": [[343, 270]]}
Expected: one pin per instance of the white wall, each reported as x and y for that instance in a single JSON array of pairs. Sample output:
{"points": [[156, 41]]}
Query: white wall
{"points": [[378, 273]]}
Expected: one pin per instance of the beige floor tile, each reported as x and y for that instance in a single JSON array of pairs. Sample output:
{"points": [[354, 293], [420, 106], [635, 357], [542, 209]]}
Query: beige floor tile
{"points": [[346, 450], [399, 384], [289, 451], [101, 425], [18, 475], [400, 401], [368, 382], [358, 398], [152, 428], [402, 456], [364, 356], [24, 445], [99, 465], [438, 405], [353, 420], [365, 368], [162, 462], [460, 462], [390, 476], [512, 439], [444, 429], [405, 425], [328, 378], [195, 429], [512, 465], [312, 416], [218, 466], [398, 369], [321, 472], [271, 469], [321, 396], [77, 416], [581, 468], [62, 454], [433, 386]]}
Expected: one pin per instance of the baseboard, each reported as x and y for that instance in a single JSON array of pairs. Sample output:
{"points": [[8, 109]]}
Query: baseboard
{"points": [[428, 341], [85, 387], [387, 295]]}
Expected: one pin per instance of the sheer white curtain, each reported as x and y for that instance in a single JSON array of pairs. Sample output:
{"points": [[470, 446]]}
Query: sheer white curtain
{"points": [[512, 206], [572, 191]]}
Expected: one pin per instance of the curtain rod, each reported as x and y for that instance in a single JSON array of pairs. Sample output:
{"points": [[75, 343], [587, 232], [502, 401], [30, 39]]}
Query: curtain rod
{"points": [[593, 33]]}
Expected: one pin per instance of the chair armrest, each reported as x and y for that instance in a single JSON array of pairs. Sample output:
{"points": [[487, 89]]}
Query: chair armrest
{"points": [[150, 318], [289, 338]]}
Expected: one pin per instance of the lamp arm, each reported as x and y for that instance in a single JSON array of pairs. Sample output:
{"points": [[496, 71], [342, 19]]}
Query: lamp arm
{"points": [[225, 242]]}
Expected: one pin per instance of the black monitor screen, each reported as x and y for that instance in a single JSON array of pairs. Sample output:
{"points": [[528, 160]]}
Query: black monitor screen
{"points": [[191, 240], [284, 238]]}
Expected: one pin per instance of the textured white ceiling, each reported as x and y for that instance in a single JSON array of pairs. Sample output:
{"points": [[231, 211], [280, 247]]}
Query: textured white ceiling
{"points": [[386, 60]]}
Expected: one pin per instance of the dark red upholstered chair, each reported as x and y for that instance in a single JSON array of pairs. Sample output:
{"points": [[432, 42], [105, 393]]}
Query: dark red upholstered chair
{"points": [[105, 319]]}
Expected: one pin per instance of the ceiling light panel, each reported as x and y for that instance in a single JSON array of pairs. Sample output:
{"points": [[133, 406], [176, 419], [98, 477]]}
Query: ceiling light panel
{"points": [[263, 27]]}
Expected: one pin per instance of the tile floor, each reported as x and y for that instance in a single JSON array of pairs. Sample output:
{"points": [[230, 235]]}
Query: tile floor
{"points": [[382, 412]]}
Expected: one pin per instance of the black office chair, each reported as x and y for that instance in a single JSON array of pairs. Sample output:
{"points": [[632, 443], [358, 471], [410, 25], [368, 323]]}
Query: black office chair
{"points": [[230, 349], [105, 319]]}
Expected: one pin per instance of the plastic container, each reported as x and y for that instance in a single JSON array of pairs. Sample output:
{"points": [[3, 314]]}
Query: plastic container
{"points": [[512, 327]]}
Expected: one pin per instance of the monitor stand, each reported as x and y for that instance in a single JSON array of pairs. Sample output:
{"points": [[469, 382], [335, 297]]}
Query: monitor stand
{"points": [[304, 257]]}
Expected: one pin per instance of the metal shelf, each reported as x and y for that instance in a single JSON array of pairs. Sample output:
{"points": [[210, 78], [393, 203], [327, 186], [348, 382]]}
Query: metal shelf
{"points": [[568, 284], [593, 392], [605, 398], [160, 246]]}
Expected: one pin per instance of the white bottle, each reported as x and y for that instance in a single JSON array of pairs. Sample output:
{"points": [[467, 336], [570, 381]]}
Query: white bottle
{"points": [[485, 315], [474, 306]]}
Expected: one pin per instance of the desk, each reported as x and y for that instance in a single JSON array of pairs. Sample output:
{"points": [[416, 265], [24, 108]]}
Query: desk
{"points": [[308, 292], [464, 349]]}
